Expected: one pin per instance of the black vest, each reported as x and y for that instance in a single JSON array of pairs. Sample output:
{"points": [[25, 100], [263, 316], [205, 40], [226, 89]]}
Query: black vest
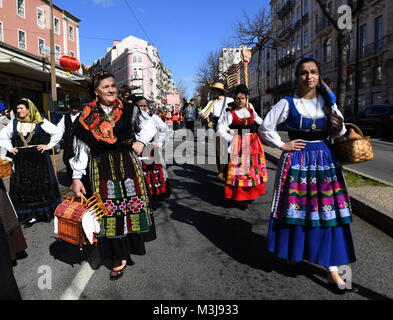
{"points": [[69, 127]]}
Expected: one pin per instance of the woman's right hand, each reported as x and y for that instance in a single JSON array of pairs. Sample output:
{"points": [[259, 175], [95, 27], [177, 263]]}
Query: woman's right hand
{"points": [[78, 188], [14, 151], [294, 145]]}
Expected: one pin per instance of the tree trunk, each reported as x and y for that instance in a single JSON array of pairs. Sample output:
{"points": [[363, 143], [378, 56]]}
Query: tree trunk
{"points": [[342, 44], [259, 78]]}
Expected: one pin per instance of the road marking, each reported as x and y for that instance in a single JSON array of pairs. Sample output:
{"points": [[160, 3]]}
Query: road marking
{"points": [[79, 283]]}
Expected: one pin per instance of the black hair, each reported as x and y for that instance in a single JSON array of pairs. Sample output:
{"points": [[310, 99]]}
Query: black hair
{"points": [[241, 88], [140, 98], [306, 59], [21, 101], [96, 80]]}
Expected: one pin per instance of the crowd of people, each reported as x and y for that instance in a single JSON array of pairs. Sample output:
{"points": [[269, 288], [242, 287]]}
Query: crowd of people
{"points": [[104, 146]]}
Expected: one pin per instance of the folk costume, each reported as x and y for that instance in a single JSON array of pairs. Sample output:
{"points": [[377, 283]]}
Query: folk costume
{"points": [[34, 190], [67, 125], [12, 230], [247, 174], [105, 162], [156, 175], [311, 210]]}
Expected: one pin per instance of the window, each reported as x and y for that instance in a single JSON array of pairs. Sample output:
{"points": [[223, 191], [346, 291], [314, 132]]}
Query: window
{"points": [[57, 25], [298, 14], [1, 32], [139, 59], [135, 73], [363, 38], [327, 50], [22, 40], [305, 39], [20, 8], [298, 43], [41, 46], [71, 33], [134, 59], [377, 75], [378, 32], [293, 46], [363, 78], [305, 7], [40, 17], [57, 52]]}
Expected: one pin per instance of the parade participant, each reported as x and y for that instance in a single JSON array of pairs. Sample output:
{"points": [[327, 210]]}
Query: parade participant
{"points": [[175, 117], [3, 123], [247, 174], [16, 241], [311, 211], [8, 288], [210, 115], [66, 125], [106, 162], [155, 173], [190, 115], [34, 190]]}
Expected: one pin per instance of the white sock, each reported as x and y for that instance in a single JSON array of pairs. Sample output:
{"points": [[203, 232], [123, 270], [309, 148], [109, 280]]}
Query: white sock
{"points": [[333, 268]]}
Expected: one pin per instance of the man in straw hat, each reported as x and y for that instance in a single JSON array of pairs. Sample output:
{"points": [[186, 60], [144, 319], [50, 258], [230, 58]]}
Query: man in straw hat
{"points": [[211, 114]]}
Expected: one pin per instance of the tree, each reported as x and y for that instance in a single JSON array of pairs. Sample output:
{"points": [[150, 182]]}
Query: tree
{"points": [[253, 32], [181, 88], [343, 36]]}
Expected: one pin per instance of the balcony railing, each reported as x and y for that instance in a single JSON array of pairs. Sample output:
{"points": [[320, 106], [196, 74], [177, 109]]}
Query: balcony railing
{"points": [[285, 9], [367, 51], [286, 32], [323, 25], [287, 59]]}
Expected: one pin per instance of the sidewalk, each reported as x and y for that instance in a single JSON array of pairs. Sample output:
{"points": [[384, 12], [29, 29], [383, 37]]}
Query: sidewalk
{"points": [[371, 203]]}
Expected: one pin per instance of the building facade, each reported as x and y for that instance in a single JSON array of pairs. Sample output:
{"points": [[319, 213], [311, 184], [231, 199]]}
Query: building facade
{"points": [[136, 63], [25, 52]]}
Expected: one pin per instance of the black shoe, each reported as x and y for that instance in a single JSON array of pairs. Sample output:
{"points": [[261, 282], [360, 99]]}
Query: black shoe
{"points": [[115, 275]]}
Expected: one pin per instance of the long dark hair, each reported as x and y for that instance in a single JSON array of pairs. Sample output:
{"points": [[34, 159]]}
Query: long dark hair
{"points": [[96, 80]]}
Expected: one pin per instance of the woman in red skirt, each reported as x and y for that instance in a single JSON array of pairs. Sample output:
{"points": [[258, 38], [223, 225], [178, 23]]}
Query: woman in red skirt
{"points": [[246, 174]]}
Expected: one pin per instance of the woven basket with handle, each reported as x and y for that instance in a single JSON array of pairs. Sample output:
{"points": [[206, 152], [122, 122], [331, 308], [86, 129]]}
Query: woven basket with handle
{"points": [[5, 168], [354, 150]]}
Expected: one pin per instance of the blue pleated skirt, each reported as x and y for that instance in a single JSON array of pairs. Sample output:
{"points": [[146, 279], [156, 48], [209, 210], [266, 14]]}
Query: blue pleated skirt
{"points": [[325, 246]]}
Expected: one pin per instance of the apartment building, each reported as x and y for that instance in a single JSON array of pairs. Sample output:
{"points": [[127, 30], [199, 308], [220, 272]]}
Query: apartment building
{"points": [[25, 51], [136, 63]]}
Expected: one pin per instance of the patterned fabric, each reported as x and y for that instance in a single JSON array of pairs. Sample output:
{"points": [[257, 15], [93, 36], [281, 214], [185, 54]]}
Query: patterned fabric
{"points": [[71, 210], [119, 179], [311, 189], [100, 124], [155, 180], [34, 114]]}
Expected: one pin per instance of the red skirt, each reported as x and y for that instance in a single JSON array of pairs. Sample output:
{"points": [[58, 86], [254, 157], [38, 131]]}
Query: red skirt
{"points": [[244, 193], [155, 180]]}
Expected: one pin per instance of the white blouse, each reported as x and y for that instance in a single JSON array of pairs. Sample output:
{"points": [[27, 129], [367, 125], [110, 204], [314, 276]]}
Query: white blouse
{"points": [[79, 164], [226, 120], [218, 106], [25, 127], [163, 131], [309, 108]]}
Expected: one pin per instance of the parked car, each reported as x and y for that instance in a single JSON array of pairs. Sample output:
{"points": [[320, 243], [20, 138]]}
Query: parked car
{"points": [[376, 120]]}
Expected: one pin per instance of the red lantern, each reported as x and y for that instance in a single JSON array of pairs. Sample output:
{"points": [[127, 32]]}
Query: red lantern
{"points": [[269, 90], [349, 70], [70, 63]]}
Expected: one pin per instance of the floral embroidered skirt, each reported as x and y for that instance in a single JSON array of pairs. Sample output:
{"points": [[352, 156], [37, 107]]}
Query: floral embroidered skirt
{"points": [[311, 211], [119, 179], [247, 173]]}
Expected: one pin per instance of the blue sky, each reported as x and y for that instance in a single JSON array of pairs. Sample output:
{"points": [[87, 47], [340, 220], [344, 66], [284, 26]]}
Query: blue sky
{"points": [[184, 31]]}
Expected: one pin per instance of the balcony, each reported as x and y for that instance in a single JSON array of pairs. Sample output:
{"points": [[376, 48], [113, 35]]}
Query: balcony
{"points": [[368, 51], [297, 25], [323, 27], [305, 19], [287, 59], [286, 32], [285, 9]]}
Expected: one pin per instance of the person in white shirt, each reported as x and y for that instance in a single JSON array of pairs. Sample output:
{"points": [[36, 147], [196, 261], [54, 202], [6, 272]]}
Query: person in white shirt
{"points": [[311, 211], [34, 190], [3, 123], [211, 115], [108, 141], [247, 174], [66, 125], [155, 173]]}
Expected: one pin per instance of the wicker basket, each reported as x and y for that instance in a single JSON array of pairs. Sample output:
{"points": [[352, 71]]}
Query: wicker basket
{"points": [[354, 150], [5, 168]]}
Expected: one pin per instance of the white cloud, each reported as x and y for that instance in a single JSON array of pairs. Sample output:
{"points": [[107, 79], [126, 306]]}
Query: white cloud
{"points": [[105, 3]]}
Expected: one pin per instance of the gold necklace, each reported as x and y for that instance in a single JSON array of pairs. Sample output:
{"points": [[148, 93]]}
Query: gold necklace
{"points": [[314, 119], [27, 141]]}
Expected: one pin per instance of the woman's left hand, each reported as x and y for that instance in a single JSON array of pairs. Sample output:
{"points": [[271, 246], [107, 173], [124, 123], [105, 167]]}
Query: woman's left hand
{"points": [[138, 147], [336, 122], [42, 148]]}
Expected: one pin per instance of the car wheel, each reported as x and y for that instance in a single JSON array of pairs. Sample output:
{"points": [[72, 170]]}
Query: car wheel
{"points": [[378, 132]]}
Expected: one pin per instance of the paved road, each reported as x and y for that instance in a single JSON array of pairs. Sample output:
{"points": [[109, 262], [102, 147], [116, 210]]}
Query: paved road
{"points": [[204, 250], [382, 164]]}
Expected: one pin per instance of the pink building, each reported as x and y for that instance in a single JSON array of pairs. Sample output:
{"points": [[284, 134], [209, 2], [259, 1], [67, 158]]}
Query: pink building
{"points": [[25, 36]]}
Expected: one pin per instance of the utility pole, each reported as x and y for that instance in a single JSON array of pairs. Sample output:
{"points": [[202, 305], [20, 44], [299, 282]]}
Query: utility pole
{"points": [[53, 62]]}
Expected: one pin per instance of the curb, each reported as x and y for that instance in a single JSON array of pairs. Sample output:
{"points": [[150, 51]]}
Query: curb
{"points": [[377, 216]]}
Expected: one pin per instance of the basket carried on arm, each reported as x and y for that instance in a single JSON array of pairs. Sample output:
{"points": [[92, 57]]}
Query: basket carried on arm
{"points": [[5, 168], [355, 148], [69, 215]]}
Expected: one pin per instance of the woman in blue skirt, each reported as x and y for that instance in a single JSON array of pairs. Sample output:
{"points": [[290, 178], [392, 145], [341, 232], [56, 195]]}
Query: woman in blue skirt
{"points": [[311, 211]]}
